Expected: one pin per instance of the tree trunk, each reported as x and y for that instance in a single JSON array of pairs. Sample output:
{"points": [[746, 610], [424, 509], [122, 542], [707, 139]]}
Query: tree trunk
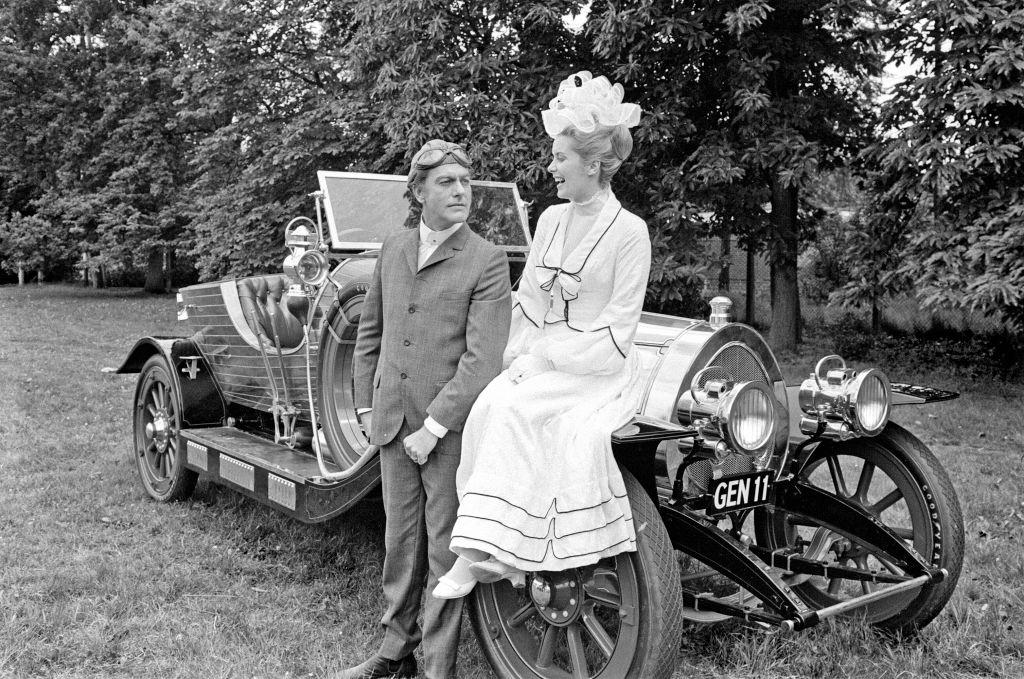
{"points": [[168, 269], [785, 329], [751, 285], [725, 253], [39, 276], [155, 271], [21, 275]]}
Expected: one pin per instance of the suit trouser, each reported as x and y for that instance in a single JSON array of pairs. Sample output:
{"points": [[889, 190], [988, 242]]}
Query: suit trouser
{"points": [[421, 506]]}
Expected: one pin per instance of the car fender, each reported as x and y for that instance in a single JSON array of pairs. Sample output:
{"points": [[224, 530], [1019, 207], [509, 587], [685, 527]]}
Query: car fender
{"points": [[201, 401]]}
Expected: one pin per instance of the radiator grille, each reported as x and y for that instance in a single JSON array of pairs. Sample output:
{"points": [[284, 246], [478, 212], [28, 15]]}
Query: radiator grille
{"points": [[740, 363], [698, 474]]}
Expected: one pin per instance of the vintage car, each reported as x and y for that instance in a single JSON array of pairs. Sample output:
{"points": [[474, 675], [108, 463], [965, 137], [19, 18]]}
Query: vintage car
{"points": [[781, 505]]}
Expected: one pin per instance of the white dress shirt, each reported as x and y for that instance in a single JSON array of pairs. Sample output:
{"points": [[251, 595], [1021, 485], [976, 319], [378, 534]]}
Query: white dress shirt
{"points": [[430, 241]]}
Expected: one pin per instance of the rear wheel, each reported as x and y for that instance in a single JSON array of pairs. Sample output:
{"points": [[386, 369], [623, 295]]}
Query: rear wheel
{"points": [[895, 477], [156, 423], [621, 617]]}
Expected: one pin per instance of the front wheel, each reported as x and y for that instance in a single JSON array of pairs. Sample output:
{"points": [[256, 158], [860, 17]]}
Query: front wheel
{"points": [[619, 618], [159, 451], [895, 477]]}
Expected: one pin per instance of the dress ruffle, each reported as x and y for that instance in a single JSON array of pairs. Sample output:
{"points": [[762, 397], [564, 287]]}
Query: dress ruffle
{"points": [[554, 540]]}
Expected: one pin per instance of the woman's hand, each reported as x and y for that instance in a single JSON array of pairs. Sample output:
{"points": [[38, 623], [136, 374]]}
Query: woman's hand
{"points": [[526, 366]]}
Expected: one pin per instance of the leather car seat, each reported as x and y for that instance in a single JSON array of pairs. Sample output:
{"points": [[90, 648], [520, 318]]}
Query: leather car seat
{"points": [[270, 312]]}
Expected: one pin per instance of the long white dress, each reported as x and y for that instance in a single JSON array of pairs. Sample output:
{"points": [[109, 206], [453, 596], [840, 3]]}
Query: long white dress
{"points": [[538, 486]]}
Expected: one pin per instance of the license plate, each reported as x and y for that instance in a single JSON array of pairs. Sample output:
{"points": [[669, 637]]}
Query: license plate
{"points": [[731, 493]]}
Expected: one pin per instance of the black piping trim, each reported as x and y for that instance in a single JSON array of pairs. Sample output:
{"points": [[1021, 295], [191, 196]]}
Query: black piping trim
{"points": [[551, 240], [523, 311], [620, 517], [592, 248], [550, 548], [600, 238], [554, 503], [566, 321]]}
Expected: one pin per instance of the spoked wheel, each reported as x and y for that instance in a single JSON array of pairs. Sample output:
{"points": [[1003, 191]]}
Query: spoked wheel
{"points": [[159, 453], [896, 478], [621, 617]]}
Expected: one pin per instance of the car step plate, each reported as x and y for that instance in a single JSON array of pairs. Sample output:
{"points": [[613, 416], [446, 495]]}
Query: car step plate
{"points": [[740, 491]]}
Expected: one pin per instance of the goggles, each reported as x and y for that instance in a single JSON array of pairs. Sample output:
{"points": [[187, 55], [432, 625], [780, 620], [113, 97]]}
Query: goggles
{"points": [[429, 158]]}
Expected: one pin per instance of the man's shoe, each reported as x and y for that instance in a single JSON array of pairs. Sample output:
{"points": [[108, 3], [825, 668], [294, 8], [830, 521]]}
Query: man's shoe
{"points": [[379, 668]]}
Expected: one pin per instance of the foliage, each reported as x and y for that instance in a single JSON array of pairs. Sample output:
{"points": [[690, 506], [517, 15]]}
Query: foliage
{"points": [[771, 92], [964, 353], [950, 219], [23, 243]]}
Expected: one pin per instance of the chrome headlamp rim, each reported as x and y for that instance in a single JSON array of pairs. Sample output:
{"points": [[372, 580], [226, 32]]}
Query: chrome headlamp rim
{"points": [[858, 401], [716, 398], [295, 266], [729, 418]]}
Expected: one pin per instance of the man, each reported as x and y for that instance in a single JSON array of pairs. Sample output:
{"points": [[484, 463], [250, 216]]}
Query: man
{"points": [[433, 328]]}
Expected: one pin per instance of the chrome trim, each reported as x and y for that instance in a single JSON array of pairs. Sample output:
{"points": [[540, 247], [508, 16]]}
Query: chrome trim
{"points": [[196, 455], [237, 472], [281, 491]]}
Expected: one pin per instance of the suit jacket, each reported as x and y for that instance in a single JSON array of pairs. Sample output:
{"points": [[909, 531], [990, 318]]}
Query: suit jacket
{"points": [[429, 341]]}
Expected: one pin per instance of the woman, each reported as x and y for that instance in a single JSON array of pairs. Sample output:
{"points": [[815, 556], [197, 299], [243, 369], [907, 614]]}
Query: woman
{"points": [[538, 487]]}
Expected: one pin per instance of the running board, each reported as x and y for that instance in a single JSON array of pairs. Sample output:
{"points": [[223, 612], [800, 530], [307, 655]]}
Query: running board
{"points": [[276, 475]]}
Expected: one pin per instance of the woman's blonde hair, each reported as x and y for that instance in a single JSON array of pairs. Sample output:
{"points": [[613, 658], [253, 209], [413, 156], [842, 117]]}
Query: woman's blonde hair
{"points": [[610, 146]]}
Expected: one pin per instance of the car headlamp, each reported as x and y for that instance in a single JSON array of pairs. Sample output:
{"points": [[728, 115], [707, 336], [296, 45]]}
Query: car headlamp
{"points": [[309, 267], [839, 402], [739, 414]]}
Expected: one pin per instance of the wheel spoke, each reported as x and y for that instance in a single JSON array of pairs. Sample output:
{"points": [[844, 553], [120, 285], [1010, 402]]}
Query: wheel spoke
{"points": [[864, 482], [837, 476], [577, 654], [522, 615], [546, 652], [834, 585], [891, 498], [598, 632], [151, 410]]}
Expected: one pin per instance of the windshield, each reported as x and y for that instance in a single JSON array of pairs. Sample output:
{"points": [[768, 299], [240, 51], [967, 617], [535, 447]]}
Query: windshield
{"points": [[362, 209]]}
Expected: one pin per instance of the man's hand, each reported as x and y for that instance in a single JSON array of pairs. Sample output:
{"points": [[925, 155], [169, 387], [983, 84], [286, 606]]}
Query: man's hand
{"points": [[366, 419], [419, 444], [526, 366]]}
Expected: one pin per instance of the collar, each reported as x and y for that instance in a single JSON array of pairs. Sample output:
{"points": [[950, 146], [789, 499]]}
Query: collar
{"points": [[428, 235]]}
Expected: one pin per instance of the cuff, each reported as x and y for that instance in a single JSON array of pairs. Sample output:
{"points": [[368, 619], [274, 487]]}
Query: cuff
{"points": [[434, 428]]}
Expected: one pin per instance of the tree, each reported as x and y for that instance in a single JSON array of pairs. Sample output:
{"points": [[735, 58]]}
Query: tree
{"points": [[772, 92], [23, 246], [950, 166]]}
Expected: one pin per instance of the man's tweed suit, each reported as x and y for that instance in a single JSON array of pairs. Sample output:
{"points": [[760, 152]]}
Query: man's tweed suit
{"points": [[430, 339]]}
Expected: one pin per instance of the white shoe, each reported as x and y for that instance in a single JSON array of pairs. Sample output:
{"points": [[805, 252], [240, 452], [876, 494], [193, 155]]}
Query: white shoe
{"points": [[493, 570], [457, 582]]}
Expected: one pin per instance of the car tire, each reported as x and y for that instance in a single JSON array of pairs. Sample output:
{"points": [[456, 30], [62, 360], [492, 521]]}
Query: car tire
{"points": [[159, 450], [648, 624], [899, 465], [346, 441]]}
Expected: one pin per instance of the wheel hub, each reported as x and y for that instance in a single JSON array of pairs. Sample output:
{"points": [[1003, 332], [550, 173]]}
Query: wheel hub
{"points": [[160, 431], [558, 596]]}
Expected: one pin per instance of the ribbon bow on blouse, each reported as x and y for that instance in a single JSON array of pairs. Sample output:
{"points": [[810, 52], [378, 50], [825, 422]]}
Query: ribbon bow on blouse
{"points": [[569, 282]]}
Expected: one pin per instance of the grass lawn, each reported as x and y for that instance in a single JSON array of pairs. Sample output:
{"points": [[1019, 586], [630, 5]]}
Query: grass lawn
{"points": [[97, 580]]}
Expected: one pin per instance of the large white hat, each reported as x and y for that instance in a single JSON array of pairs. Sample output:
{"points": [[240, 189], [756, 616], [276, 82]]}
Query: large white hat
{"points": [[585, 102]]}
